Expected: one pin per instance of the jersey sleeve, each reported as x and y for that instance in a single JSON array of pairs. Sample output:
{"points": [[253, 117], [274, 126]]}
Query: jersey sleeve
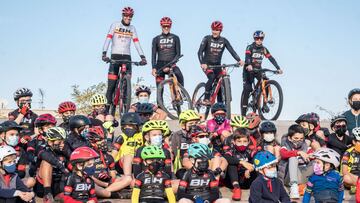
{"points": [[201, 50], [137, 43], [109, 37], [178, 46], [231, 50], [271, 58], [183, 185], [154, 52], [137, 162], [345, 158], [248, 55]]}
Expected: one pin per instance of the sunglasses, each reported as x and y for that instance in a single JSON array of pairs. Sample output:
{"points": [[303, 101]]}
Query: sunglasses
{"points": [[128, 16], [25, 101], [259, 38], [201, 136]]}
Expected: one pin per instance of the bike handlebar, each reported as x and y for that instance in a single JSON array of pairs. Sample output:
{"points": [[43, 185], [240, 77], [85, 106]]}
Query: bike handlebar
{"points": [[112, 61], [264, 70], [235, 65]]}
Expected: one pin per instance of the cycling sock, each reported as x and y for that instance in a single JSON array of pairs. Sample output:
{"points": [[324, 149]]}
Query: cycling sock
{"points": [[47, 190]]}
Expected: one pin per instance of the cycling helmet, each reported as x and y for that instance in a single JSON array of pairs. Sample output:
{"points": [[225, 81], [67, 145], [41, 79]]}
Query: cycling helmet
{"points": [[314, 118], [217, 107], [5, 151], [259, 34], [217, 25], [165, 22], [267, 127], [78, 121], [336, 119], [156, 125], [128, 11], [356, 133], [254, 120], [22, 92], [131, 118], [142, 88], [152, 152], [66, 106], [45, 119], [95, 134], [197, 130], [263, 159], [98, 99], [145, 108], [10, 125], [352, 92], [188, 115], [239, 122], [82, 154], [55, 133], [328, 155], [311, 118], [198, 150]]}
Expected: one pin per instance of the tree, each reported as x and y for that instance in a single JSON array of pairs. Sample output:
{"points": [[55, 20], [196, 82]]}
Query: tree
{"points": [[82, 97]]}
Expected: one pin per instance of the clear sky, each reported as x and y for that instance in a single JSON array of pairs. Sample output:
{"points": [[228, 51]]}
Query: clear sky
{"points": [[52, 44]]}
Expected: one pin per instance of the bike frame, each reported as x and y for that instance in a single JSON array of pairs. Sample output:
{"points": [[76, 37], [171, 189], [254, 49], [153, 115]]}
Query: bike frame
{"points": [[121, 76], [218, 86], [265, 95], [174, 86]]}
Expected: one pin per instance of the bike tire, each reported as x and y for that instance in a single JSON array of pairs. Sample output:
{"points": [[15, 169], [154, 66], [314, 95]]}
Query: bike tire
{"points": [[226, 91], [197, 104], [125, 102], [281, 101]]}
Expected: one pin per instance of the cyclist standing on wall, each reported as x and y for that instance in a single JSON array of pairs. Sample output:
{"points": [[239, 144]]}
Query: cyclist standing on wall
{"points": [[210, 53], [165, 47], [255, 53], [120, 36]]}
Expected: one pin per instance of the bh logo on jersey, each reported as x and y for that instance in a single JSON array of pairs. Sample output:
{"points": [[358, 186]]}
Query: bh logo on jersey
{"points": [[199, 182], [153, 180], [258, 55], [216, 45], [83, 187], [167, 41]]}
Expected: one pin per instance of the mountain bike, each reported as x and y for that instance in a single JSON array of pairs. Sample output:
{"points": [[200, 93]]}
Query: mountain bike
{"points": [[222, 83], [122, 94], [172, 97], [266, 98]]}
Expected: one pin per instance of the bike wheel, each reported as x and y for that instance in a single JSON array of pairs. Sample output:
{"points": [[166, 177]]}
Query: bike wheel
{"points": [[197, 98], [173, 107], [250, 106], [275, 103], [125, 99], [226, 94]]}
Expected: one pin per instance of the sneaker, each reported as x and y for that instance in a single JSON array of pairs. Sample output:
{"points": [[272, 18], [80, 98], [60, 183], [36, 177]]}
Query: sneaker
{"points": [[265, 109], [302, 188], [236, 194], [48, 198], [294, 191], [271, 101]]}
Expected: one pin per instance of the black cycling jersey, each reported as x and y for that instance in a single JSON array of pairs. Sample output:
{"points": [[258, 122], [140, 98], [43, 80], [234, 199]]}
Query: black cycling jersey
{"points": [[33, 148], [27, 122], [152, 186], [194, 184], [104, 164], [22, 161], [212, 49], [255, 54], [58, 161], [165, 47], [76, 141], [79, 189]]}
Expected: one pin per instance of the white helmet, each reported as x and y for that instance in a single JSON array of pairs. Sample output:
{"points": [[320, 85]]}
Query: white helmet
{"points": [[6, 151], [356, 133], [328, 155]]}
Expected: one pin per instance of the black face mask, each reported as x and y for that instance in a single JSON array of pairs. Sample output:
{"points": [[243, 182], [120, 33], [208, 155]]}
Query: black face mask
{"points": [[219, 119], [155, 166], [103, 147], [340, 130], [355, 105], [130, 132], [66, 119], [202, 166], [56, 148], [297, 144]]}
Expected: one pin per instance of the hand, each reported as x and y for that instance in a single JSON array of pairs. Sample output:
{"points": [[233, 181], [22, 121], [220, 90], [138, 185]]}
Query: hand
{"points": [[247, 165], [24, 109], [153, 72], [103, 176], [304, 155], [217, 171], [143, 61], [241, 63], [165, 70], [26, 196], [204, 67], [247, 174], [279, 71], [25, 139], [249, 68], [105, 59]]}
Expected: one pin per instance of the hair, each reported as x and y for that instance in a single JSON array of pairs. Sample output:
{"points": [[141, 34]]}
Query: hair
{"points": [[293, 129], [241, 133]]}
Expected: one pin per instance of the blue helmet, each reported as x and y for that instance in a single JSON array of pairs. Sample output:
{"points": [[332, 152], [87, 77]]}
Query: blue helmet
{"points": [[259, 34], [263, 159]]}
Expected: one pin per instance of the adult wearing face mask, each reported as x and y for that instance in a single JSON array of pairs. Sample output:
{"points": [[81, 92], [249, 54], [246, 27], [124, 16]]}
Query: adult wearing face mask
{"points": [[353, 115], [143, 96], [79, 126], [339, 140], [66, 110], [295, 165]]}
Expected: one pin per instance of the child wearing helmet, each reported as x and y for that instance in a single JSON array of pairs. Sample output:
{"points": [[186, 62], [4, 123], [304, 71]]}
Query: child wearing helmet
{"points": [[352, 115], [315, 137], [326, 184], [99, 108], [153, 182], [79, 126], [66, 109], [12, 188], [255, 136], [240, 171], [51, 164], [79, 186], [267, 187], [268, 133], [199, 184], [239, 121], [339, 140], [350, 165]]}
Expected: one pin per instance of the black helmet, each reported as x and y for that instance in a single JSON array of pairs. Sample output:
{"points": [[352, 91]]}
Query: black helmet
{"points": [[9, 125], [22, 92], [130, 118], [144, 108], [142, 88], [78, 121], [352, 92], [218, 106], [337, 118], [267, 127]]}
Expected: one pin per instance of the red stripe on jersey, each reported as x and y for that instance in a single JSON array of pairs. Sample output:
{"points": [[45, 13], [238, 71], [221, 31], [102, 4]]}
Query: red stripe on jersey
{"points": [[183, 183], [68, 189], [136, 39], [214, 183], [109, 36], [247, 52], [267, 55]]}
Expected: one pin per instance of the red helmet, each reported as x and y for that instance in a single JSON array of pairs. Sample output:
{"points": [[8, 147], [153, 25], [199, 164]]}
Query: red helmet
{"points": [[82, 154], [128, 11], [254, 120], [44, 119], [165, 22], [66, 106], [217, 25], [95, 134]]}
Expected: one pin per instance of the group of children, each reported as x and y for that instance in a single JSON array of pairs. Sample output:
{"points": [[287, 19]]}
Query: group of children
{"points": [[83, 159]]}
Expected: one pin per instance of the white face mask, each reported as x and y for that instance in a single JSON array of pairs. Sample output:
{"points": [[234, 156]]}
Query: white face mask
{"points": [[269, 137], [144, 100], [157, 140], [204, 140]]}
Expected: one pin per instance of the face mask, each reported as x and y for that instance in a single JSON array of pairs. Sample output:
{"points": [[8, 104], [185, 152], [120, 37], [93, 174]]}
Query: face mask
{"points": [[101, 111], [90, 170], [219, 119], [306, 131], [240, 148], [269, 137], [13, 140], [66, 118], [355, 105], [340, 130], [318, 170], [271, 173], [357, 147], [156, 140], [297, 144], [129, 132], [204, 140], [11, 168], [155, 166], [202, 166], [56, 148], [84, 132], [143, 100], [103, 147]]}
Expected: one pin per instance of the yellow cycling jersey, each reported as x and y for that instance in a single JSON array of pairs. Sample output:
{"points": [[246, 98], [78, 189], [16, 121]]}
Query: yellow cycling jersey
{"points": [[130, 145], [351, 160]]}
